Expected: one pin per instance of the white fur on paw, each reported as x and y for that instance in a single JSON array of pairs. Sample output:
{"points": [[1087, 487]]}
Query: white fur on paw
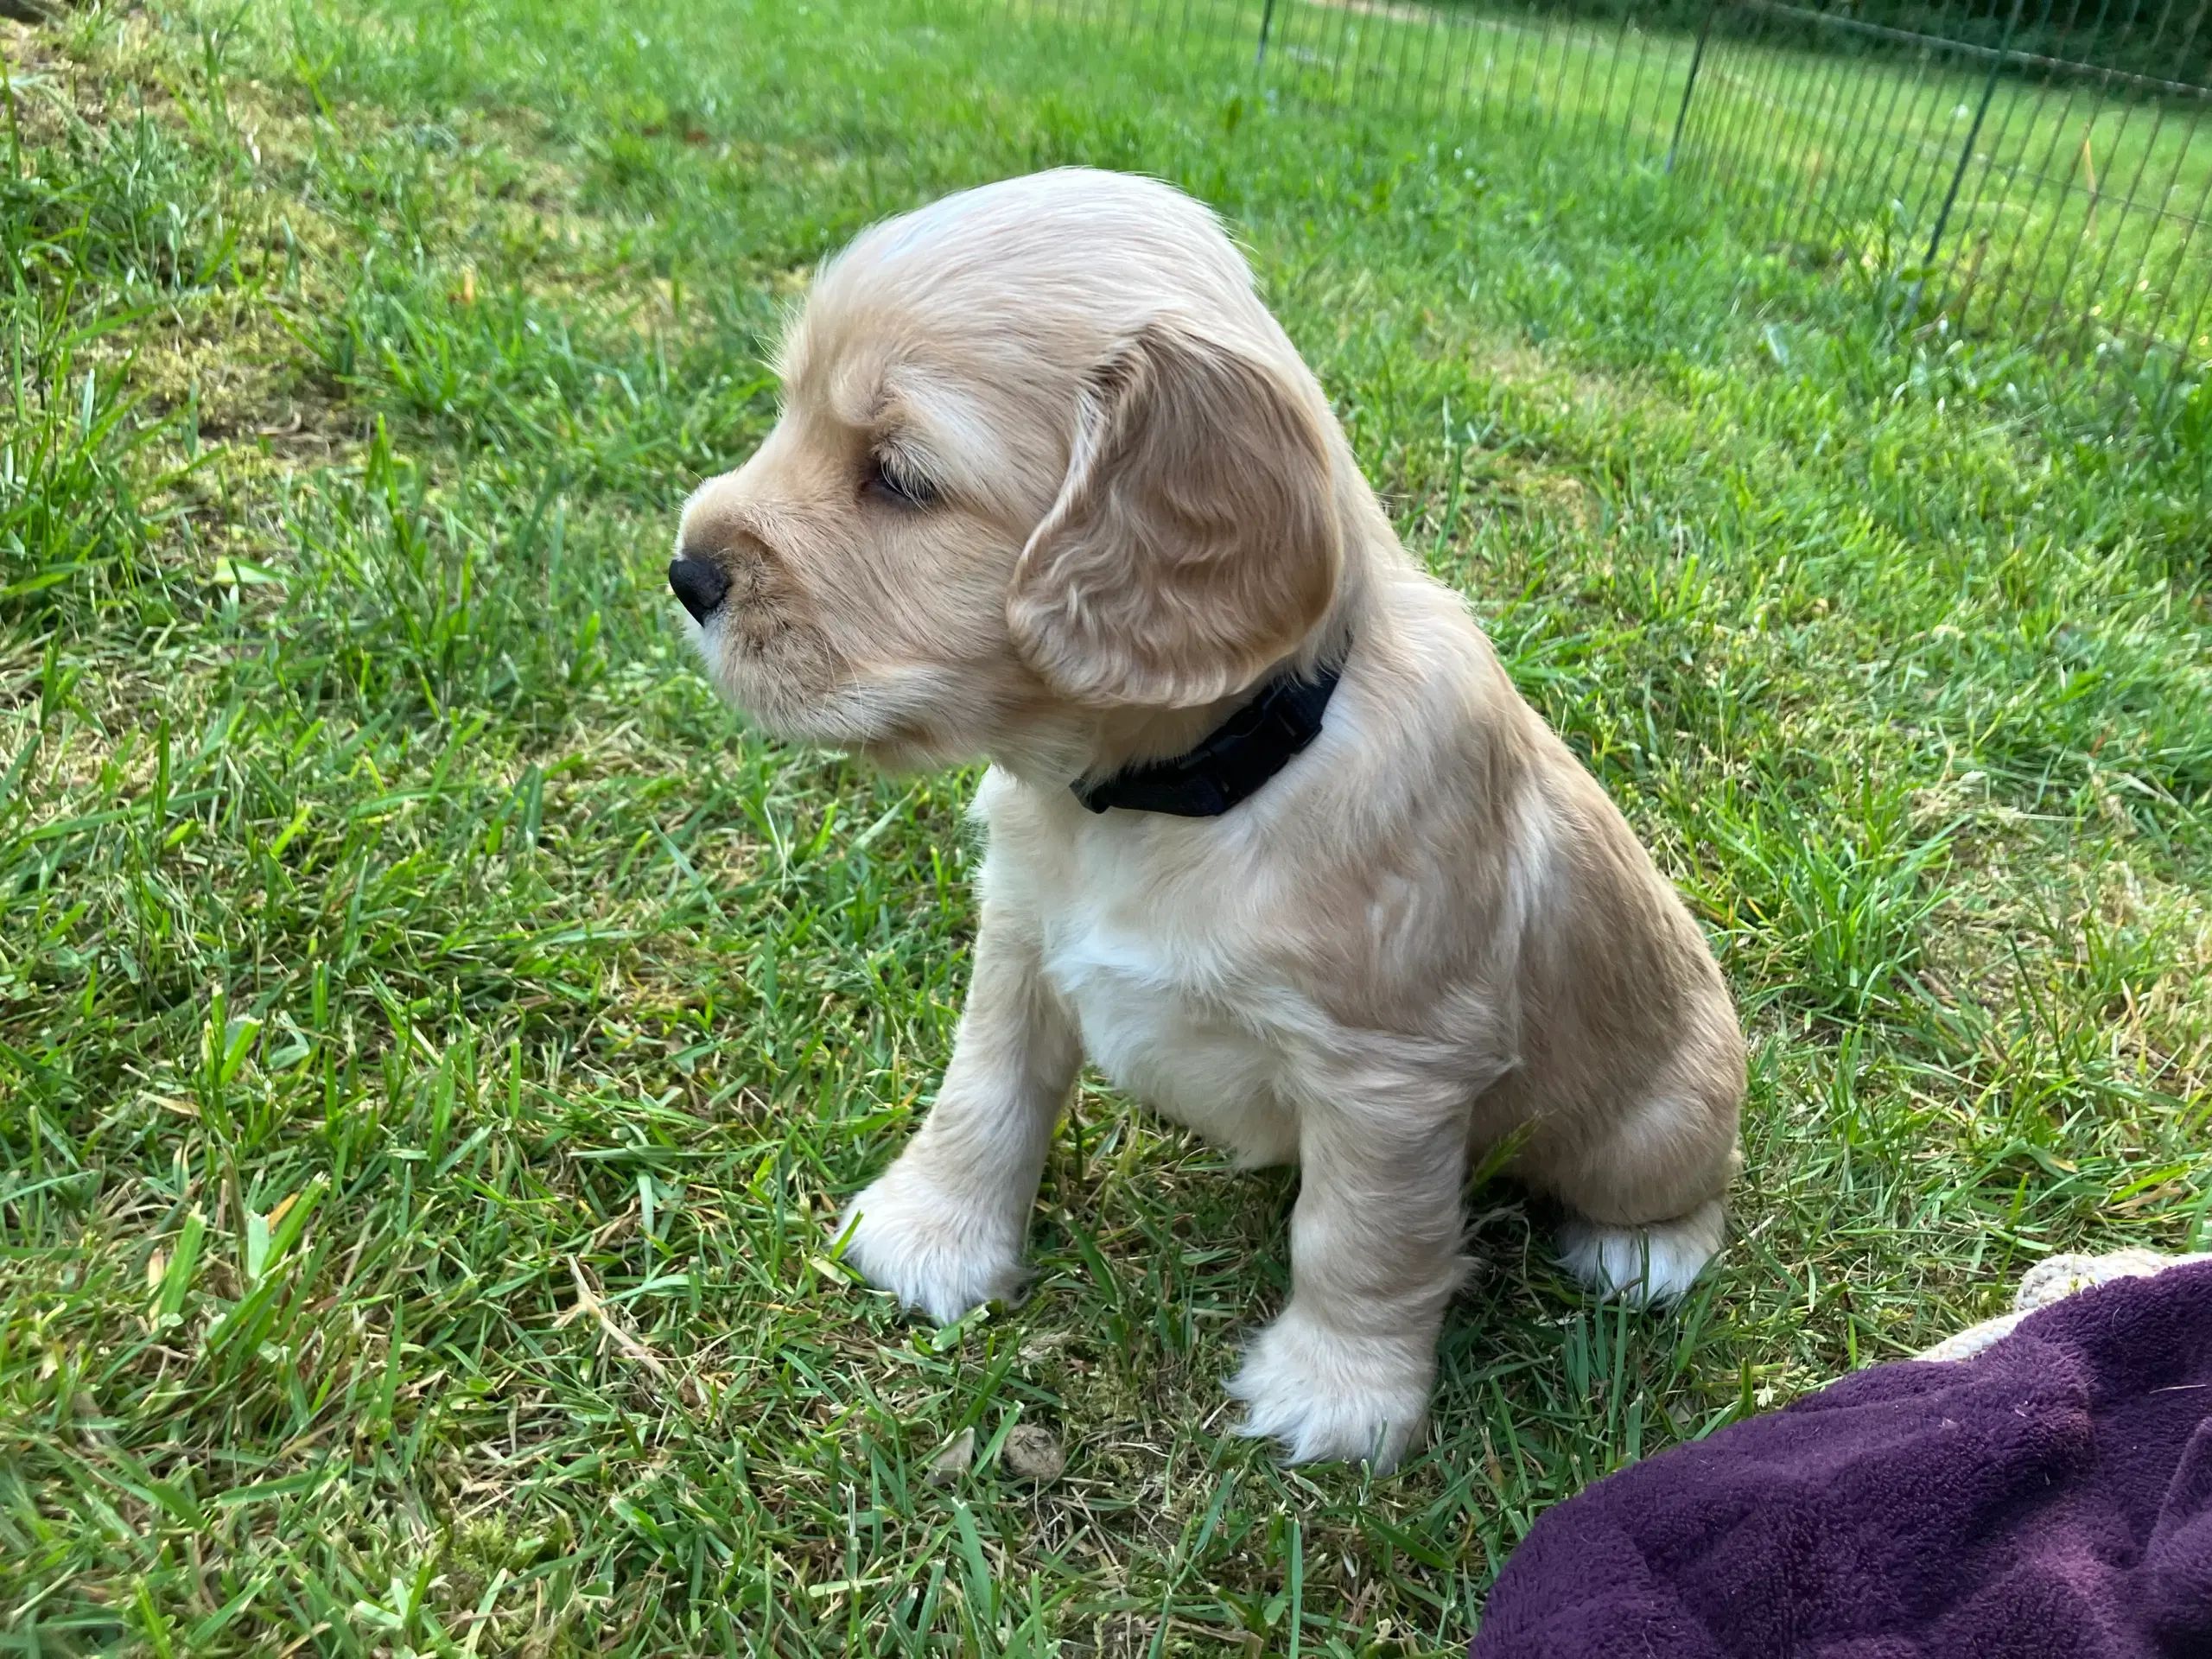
{"points": [[1324, 1395], [1642, 1265], [928, 1249]]}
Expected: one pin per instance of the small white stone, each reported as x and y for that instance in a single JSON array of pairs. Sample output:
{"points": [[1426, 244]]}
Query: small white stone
{"points": [[954, 1459]]}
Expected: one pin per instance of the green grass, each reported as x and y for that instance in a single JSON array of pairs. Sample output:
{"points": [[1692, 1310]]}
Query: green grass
{"points": [[435, 1037], [2075, 221]]}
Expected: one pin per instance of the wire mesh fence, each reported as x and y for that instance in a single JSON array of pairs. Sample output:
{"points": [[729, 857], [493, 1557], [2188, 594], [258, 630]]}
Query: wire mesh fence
{"points": [[2033, 172]]}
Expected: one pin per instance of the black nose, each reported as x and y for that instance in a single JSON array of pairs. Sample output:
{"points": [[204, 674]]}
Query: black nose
{"points": [[699, 584]]}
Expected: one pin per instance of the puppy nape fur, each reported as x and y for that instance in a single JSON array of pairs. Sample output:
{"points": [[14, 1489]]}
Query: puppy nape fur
{"points": [[1652, 1264]]}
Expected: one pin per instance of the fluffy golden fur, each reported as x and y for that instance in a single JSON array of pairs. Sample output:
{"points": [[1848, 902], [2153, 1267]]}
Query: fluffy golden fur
{"points": [[1051, 487]]}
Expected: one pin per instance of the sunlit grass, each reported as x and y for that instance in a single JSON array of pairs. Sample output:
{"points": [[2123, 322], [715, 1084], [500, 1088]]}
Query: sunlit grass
{"points": [[434, 1038]]}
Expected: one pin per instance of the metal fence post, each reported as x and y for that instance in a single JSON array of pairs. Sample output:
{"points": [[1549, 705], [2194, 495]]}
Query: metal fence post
{"points": [[1689, 82], [1966, 160], [1266, 18]]}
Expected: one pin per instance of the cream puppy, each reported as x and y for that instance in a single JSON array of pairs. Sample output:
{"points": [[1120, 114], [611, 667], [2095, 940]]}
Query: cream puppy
{"points": [[1051, 487]]}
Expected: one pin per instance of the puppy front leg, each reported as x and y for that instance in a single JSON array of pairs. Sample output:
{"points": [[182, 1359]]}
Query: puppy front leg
{"points": [[943, 1228], [1345, 1371]]}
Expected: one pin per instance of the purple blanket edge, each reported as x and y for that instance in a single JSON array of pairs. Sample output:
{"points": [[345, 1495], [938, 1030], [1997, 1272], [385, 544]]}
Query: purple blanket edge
{"points": [[2049, 1498]]}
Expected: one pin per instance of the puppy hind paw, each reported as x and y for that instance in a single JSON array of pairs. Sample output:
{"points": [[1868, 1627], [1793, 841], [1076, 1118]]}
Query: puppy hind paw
{"points": [[1325, 1396], [927, 1251], [1654, 1263]]}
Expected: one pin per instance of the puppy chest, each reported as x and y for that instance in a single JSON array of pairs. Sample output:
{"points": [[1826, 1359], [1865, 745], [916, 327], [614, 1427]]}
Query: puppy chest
{"points": [[1164, 1029]]}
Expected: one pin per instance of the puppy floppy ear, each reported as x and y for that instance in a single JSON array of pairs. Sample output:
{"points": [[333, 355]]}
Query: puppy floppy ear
{"points": [[1195, 540]]}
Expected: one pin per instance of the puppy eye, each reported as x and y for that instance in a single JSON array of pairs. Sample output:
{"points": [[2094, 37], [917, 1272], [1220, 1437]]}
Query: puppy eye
{"points": [[892, 482]]}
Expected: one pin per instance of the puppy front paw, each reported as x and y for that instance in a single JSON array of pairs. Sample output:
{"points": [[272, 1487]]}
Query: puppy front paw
{"points": [[929, 1249], [1327, 1395]]}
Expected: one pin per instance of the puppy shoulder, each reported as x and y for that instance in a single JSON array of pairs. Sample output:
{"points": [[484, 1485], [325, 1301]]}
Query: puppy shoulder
{"points": [[1025, 834], [1010, 809]]}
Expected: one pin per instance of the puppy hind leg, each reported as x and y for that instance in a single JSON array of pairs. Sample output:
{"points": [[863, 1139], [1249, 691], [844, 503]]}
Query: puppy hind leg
{"points": [[1644, 1206], [1655, 1263]]}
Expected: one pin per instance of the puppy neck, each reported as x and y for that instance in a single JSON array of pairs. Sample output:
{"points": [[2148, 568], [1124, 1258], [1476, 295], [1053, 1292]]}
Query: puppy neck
{"points": [[1070, 743], [1093, 744]]}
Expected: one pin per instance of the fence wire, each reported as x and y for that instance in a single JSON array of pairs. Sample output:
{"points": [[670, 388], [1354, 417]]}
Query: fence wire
{"points": [[2034, 172]]}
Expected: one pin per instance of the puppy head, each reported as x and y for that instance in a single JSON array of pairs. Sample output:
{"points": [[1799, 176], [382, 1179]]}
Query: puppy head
{"points": [[1044, 458]]}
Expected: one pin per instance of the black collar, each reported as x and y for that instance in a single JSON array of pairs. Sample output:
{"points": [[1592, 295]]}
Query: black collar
{"points": [[1231, 762]]}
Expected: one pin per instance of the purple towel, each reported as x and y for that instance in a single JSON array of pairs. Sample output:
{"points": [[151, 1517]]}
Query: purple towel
{"points": [[2050, 1498]]}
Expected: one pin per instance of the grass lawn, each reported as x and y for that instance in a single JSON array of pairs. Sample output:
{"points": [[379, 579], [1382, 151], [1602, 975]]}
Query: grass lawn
{"points": [[434, 1036], [2077, 218]]}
